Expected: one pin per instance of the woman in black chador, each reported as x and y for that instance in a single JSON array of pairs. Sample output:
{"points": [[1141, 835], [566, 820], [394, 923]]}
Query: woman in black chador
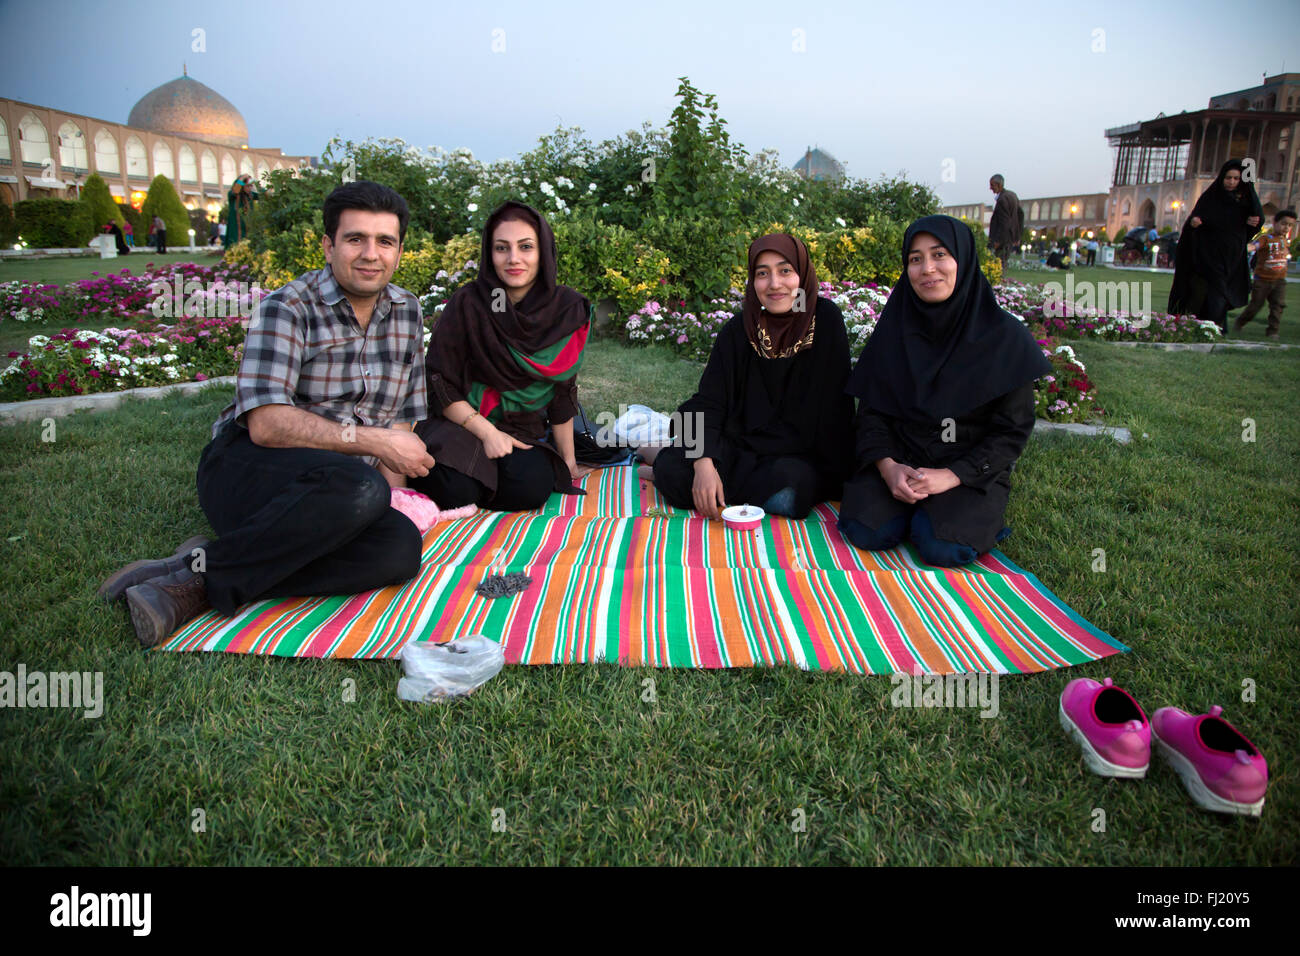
{"points": [[773, 418], [947, 405], [1211, 273]]}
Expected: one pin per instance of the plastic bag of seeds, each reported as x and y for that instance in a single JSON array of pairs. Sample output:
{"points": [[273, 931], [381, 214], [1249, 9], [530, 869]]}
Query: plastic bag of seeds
{"points": [[433, 673]]}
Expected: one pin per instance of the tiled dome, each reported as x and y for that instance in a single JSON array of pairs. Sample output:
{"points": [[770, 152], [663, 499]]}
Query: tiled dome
{"points": [[819, 164], [185, 107]]}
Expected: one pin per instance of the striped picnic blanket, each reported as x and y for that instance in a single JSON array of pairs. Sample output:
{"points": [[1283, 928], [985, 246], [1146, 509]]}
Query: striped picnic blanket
{"points": [[619, 575]]}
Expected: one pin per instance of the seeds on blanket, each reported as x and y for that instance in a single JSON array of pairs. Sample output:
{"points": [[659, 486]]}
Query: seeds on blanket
{"points": [[497, 585]]}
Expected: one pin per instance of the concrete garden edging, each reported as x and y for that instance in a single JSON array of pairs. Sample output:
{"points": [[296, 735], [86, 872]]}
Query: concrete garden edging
{"points": [[38, 409]]}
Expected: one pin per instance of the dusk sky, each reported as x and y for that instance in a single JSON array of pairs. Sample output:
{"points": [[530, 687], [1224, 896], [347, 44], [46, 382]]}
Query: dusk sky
{"points": [[1023, 89]]}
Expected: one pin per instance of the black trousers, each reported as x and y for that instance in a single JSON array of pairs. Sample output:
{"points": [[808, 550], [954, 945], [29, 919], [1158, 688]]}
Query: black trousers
{"points": [[298, 521], [525, 479], [786, 485]]}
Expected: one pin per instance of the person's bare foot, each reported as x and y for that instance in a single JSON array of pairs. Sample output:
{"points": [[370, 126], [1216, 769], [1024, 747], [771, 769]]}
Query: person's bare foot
{"points": [[645, 473], [648, 453]]}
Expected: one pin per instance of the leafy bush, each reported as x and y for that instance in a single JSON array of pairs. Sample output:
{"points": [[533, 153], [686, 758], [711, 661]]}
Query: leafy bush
{"points": [[8, 228], [161, 200], [54, 223], [420, 264], [701, 254], [95, 194], [609, 262], [459, 250]]}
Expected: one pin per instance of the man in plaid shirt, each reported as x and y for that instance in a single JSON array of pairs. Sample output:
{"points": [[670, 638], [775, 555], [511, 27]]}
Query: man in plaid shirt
{"points": [[296, 480]]}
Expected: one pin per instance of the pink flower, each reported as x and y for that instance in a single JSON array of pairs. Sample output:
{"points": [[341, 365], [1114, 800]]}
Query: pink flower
{"points": [[200, 377]]}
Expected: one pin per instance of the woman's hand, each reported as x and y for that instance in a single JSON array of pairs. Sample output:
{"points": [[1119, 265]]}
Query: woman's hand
{"points": [[707, 489], [1195, 221], [1253, 221], [933, 481], [898, 477], [577, 472], [497, 444]]}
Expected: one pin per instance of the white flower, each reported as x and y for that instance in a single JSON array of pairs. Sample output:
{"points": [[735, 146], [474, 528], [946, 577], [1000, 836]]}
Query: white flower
{"points": [[547, 188], [591, 187], [527, 181], [841, 221], [472, 207], [796, 202], [629, 189]]}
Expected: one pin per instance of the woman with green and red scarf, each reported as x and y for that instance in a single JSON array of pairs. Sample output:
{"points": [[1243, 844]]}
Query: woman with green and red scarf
{"points": [[502, 364]]}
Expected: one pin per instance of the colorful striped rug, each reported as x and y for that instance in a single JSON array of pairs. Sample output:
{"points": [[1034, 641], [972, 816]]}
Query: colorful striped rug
{"points": [[619, 575]]}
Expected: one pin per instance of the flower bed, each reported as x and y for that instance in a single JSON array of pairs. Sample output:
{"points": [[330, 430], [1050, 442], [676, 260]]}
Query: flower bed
{"points": [[78, 362], [1066, 394], [223, 289], [1046, 314], [186, 325], [23, 301]]}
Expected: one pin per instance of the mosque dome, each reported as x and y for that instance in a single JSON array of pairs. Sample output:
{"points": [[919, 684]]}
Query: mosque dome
{"points": [[819, 164], [185, 107]]}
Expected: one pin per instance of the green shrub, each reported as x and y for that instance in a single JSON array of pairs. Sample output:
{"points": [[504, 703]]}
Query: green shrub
{"points": [[605, 261], [53, 223], [461, 249], [420, 263], [162, 200], [701, 254], [8, 228], [99, 201]]}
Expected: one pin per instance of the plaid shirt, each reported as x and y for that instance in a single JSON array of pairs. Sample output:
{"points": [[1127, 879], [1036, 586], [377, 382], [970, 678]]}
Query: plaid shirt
{"points": [[305, 348]]}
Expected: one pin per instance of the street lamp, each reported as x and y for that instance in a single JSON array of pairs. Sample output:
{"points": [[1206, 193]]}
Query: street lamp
{"points": [[191, 232]]}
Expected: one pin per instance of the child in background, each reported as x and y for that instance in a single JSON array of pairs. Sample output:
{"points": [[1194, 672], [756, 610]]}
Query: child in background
{"points": [[1270, 274]]}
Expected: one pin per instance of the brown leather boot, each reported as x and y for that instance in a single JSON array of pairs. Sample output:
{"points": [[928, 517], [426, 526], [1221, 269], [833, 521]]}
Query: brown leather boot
{"points": [[161, 605], [137, 572]]}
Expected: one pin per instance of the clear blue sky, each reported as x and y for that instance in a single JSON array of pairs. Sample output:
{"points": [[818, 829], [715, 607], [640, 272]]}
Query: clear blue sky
{"points": [[995, 87]]}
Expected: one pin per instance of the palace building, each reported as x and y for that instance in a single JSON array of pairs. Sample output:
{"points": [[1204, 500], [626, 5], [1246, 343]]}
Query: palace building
{"points": [[183, 130], [1163, 165]]}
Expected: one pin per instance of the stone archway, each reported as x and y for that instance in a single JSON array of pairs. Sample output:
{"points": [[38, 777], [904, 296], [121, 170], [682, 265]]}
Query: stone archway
{"points": [[1147, 213]]}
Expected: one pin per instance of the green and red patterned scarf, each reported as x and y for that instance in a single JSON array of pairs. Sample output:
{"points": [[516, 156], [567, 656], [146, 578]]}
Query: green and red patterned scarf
{"points": [[558, 362]]}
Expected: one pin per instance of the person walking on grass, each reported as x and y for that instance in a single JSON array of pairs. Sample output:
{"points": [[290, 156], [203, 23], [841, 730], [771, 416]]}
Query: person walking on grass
{"points": [[1270, 274], [1211, 275], [297, 477]]}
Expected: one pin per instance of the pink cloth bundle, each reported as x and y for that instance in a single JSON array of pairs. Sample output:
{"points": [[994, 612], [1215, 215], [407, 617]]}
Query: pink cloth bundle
{"points": [[423, 512]]}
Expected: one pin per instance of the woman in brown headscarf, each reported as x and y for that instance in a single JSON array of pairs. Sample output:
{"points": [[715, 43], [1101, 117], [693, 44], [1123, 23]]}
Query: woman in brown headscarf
{"points": [[502, 364], [770, 423]]}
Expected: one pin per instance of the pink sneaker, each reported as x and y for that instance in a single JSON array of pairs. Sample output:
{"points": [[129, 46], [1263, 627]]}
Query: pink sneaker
{"points": [[1221, 769], [1109, 726]]}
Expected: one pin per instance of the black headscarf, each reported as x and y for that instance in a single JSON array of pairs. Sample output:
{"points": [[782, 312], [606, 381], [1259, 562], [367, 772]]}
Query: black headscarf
{"points": [[929, 361], [1216, 249]]}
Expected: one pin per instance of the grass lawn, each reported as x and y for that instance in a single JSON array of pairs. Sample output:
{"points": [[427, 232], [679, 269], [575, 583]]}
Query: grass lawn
{"points": [[1161, 282], [1201, 563], [62, 270]]}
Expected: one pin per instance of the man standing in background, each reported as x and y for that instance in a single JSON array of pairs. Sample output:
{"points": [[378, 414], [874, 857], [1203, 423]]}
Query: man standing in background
{"points": [[1008, 222]]}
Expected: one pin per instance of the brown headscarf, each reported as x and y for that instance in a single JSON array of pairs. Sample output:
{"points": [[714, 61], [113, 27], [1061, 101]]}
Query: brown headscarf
{"points": [[548, 312], [472, 340], [780, 336]]}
